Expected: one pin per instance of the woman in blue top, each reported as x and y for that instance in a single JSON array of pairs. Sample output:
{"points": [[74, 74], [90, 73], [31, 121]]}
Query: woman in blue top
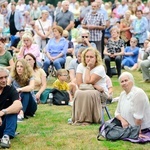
{"points": [[56, 50], [130, 57]]}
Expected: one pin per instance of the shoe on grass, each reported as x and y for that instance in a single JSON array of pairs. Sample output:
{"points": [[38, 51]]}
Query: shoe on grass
{"points": [[20, 118], [70, 103], [5, 141]]}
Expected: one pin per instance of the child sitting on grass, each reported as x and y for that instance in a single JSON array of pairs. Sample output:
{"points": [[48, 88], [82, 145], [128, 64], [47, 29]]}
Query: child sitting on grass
{"points": [[61, 83]]}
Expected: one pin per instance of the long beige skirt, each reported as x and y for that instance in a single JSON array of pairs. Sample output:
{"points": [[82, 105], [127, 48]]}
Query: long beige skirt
{"points": [[87, 107]]}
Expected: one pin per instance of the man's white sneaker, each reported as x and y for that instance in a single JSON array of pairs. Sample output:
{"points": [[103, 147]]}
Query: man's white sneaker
{"points": [[5, 141]]}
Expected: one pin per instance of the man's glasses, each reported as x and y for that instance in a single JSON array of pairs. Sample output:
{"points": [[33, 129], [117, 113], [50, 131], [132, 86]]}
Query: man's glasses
{"points": [[84, 36]]}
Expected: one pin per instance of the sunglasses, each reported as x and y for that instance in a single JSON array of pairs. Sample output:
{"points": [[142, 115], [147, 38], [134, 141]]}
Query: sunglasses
{"points": [[65, 37], [84, 36]]}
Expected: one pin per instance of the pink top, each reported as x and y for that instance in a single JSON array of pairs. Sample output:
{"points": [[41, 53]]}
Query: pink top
{"points": [[34, 49]]}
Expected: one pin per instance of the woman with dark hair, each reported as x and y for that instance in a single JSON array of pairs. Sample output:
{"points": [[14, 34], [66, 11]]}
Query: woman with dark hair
{"points": [[6, 60], [39, 77], [21, 77]]}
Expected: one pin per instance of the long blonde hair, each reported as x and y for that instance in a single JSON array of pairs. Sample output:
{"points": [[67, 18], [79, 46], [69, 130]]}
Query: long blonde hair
{"points": [[22, 80], [97, 55]]}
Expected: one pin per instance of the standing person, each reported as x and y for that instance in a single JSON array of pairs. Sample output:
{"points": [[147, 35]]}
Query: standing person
{"points": [[10, 105], [94, 22], [125, 26], [14, 19], [133, 105], [139, 28], [87, 103], [64, 18], [21, 77], [42, 29]]}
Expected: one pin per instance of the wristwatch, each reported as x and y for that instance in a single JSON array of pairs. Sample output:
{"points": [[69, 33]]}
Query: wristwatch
{"points": [[4, 111]]}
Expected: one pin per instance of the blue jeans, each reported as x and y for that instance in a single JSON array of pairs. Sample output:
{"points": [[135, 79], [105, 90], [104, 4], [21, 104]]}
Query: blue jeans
{"points": [[28, 103], [9, 125], [57, 64]]}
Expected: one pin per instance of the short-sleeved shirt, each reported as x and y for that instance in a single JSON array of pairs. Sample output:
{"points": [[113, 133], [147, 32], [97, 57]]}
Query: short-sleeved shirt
{"points": [[94, 19], [73, 65], [61, 86], [4, 59], [98, 70], [63, 18], [114, 46], [8, 96]]}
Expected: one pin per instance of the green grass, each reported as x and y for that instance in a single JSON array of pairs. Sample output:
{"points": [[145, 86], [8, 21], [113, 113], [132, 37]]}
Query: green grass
{"points": [[49, 130]]}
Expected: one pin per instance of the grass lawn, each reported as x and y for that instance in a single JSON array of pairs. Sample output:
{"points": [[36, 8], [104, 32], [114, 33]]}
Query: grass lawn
{"points": [[49, 130]]}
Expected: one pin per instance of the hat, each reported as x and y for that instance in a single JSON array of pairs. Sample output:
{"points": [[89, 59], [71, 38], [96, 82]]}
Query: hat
{"points": [[59, 28]]}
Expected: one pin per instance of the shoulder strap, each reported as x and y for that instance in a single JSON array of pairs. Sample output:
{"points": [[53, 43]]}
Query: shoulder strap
{"points": [[41, 27]]}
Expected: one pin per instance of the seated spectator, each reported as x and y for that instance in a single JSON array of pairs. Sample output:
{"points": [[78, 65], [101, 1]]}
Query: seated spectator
{"points": [[21, 77], [39, 78], [29, 46], [85, 35], [56, 50], [61, 84], [114, 51], [145, 65], [146, 48], [6, 59], [74, 64], [10, 105], [87, 103], [72, 71], [70, 50], [130, 57], [133, 106]]}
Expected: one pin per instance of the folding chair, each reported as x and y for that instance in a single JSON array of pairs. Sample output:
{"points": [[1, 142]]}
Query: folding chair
{"points": [[104, 108]]}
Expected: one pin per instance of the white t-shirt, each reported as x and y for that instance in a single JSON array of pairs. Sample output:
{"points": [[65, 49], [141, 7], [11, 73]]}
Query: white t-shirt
{"points": [[98, 70]]}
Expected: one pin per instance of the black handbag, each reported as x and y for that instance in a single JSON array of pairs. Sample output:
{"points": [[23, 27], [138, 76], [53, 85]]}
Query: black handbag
{"points": [[60, 97], [113, 132]]}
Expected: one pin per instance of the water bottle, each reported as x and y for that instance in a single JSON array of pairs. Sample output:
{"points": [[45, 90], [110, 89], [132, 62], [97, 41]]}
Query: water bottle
{"points": [[51, 98]]}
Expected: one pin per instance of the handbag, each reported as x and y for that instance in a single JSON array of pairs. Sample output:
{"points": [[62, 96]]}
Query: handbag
{"points": [[113, 132], [84, 86], [47, 39], [60, 97]]}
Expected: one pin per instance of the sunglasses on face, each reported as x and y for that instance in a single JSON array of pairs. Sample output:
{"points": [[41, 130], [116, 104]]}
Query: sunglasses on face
{"points": [[84, 36], [65, 37]]}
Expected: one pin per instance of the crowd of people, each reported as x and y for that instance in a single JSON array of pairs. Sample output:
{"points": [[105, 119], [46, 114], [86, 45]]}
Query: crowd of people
{"points": [[79, 40]]}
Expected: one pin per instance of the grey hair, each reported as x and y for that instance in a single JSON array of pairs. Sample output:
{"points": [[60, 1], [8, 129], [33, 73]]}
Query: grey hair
{"points": [[64, 2], [128, 74], [4, 70]]}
